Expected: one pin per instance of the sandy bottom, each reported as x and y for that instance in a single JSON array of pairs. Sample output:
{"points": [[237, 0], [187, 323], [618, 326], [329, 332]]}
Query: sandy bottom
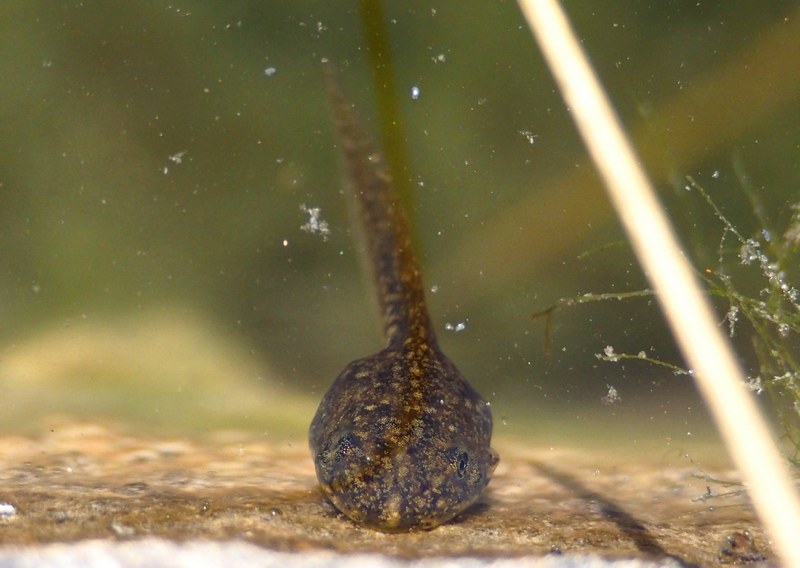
{"points": [[82, 482]]}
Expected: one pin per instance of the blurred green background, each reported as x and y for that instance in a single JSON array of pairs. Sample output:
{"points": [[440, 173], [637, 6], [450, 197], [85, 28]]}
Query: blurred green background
{"points": [[156, 157]]}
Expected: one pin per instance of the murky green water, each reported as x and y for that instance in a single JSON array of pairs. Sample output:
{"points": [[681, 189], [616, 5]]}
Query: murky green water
{"points": [[159, 160]]}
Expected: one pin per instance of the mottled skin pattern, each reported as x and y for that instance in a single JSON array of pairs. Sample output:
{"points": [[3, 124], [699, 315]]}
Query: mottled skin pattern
{"points": [[401, 441]]}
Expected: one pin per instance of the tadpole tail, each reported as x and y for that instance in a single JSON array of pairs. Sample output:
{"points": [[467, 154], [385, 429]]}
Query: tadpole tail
{"points": [[384, 224]]}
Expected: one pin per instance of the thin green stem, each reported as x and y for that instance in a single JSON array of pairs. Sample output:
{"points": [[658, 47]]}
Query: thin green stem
{"points": [[390, 116]]}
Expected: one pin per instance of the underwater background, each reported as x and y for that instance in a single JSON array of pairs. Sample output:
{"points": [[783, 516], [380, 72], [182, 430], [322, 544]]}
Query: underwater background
{"points": [[176, 252]]}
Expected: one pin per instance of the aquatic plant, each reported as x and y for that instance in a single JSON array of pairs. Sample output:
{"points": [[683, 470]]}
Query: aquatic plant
{"points": [[768, 317]]}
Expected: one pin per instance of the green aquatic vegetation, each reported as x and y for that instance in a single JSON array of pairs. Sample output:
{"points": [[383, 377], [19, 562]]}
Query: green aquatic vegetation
{"points": [[757, 278], [610, 355], [770, 316]]}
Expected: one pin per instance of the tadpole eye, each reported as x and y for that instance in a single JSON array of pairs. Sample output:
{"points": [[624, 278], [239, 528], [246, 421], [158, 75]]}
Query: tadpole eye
{"points": [[333, 452], [344, 445], [462, 464]]}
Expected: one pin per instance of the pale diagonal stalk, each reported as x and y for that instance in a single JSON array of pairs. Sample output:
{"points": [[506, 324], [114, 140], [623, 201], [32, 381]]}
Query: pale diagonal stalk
{"points": [[687, 309]]}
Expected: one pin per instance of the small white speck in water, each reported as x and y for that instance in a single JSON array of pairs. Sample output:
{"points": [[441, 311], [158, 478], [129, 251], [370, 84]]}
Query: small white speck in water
{"points": [[315, 225], [270, 71], [460, 326], [415, 92], [612, 397], [177, 157]]}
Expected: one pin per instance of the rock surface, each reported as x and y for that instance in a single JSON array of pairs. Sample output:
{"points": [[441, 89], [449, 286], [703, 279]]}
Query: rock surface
{"points": [[83, 482]]}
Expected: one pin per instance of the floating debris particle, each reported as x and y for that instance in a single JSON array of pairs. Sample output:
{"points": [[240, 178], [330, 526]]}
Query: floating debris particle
{"points": [[315, 224], [611, 397], [460, 326]]}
